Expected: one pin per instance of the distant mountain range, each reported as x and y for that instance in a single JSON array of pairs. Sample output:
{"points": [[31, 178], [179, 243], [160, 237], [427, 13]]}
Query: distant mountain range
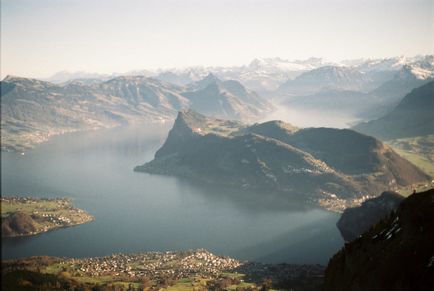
{"points": [[414, 116], [265, 75], [365, 88], [324, 166], [326, 78], [33, 110], [347, 90]]}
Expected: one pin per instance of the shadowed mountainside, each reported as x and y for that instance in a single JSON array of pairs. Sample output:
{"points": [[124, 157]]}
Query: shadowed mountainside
{"points": [[412, 117], [372, 99], [355, 221], [303, 164], [394, 254]]}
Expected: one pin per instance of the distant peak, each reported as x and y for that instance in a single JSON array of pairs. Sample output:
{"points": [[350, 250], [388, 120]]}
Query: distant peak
{"points": [[129, 78], [188, 112], [12, 78], [189, 117], [29, 81], [281, 124], [208, 80], [210, 77], [256, 63], [414, 71]]}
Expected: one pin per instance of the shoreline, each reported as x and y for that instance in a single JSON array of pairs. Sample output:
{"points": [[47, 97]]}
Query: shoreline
{"points": [[45, 231], [29, 216]]}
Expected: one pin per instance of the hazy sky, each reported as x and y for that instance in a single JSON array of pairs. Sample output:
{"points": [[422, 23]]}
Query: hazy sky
{"points": [[41, 37]]}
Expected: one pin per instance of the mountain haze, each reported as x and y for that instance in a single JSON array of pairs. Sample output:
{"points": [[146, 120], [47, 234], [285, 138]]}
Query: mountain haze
{"points": [[379, 91], [328, 77], [412, 117], [33, 110]]}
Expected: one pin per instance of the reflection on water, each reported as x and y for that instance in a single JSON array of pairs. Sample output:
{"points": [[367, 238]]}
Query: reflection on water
{"points": [[140, 212]]}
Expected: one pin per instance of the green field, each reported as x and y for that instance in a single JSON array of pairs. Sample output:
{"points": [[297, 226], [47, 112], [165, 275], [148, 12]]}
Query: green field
{"points": [[42, 206], [418, 150], [23, 216], [420, 161]]}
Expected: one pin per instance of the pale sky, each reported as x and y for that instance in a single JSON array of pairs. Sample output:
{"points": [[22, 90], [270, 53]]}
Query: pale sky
{"points": [[41, 37]]}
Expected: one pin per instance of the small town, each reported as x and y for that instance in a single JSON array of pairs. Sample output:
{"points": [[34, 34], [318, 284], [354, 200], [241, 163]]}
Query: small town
{"points": [[198, 267], [155, 265]]}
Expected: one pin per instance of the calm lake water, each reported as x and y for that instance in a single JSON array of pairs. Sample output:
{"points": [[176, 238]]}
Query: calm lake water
{"points": [[136, 212]]}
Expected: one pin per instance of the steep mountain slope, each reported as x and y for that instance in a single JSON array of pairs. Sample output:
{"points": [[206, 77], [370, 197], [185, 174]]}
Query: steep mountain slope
{"points": [[412, 117], [321, 165], [395, 254], [357, 220], [390, 93], [34, 110]]}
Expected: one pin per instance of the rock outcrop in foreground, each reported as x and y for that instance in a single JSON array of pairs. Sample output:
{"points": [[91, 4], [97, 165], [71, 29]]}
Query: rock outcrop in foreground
{"points": [[357, 220], [395, 254], [331, 167]]}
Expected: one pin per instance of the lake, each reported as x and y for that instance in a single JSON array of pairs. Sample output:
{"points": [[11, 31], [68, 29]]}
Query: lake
{"points": [[138, 212]]}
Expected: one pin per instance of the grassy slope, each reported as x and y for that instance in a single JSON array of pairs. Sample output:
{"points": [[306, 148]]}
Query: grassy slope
{"points": [[419, 151]]}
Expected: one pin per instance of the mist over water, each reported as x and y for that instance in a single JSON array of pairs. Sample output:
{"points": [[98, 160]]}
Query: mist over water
{"points": [[302, 117], [136, 212]]}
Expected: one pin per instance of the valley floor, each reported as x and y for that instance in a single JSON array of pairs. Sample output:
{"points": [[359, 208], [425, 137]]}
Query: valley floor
{"points": [[418, 150]]}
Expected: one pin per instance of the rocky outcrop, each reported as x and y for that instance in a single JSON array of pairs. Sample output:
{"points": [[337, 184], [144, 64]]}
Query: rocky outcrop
{"points": [[357, 220], [395, 254]]}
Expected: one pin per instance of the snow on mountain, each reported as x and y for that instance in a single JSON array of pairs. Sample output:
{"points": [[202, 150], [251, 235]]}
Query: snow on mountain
{"points": [[65, 76], [265, 75], [326, 77], [386, 64]]}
